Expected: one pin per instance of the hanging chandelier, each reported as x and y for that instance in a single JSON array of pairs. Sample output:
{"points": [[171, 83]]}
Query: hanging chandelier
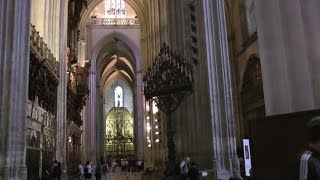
{"points": [[166, 82], [170, 76]]}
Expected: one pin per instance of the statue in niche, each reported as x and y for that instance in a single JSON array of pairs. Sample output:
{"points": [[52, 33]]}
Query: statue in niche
{"points": [[29, 109], [45, 118], [47, 143], [119, 126], [41, 114], [35, 106], [33, 141], [50, 121], [109, 136]]}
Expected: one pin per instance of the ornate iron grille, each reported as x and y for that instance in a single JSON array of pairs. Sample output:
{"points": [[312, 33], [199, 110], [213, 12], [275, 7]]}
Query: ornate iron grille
{"points": [[167, 81], [119, 137]]}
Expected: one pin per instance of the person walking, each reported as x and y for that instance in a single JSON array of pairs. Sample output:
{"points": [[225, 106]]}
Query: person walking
{"points": [[88, 170], [98, 171], [54, 171], [80, 171], [105, 171], [59, 171], [184, 168]]}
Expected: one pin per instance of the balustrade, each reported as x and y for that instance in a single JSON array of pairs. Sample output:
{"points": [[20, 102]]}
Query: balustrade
{"points": [[114, 21]]}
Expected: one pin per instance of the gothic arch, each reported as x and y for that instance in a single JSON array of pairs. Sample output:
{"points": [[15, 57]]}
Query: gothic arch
{"points": [[252, 97], [132, 48], [139, 6]]}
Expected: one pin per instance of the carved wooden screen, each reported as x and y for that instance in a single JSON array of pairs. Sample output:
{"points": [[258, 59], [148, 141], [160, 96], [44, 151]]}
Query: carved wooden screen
{"points": [[41, 112]]}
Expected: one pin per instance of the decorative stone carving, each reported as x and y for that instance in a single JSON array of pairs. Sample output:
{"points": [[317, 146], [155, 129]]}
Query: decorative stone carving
{"points": [[43, 84], [33, 138], [29, 108]]}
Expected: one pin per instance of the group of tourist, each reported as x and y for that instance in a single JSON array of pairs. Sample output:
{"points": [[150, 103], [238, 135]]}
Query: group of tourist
{"points": [[103, 168], [56, 170], [88, 171]]}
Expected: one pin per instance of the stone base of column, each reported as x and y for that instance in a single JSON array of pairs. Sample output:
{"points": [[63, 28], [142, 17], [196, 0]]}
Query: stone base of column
{"points": [[14, 173], [225, 174], [64, 175]]}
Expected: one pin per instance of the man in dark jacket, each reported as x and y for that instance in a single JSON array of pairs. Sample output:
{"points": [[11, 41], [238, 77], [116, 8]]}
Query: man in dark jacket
{"points": [[193, 172], [310, 159]]}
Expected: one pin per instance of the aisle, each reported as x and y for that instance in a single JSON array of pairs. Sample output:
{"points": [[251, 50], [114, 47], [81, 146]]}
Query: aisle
{"points": [[125, 176]]}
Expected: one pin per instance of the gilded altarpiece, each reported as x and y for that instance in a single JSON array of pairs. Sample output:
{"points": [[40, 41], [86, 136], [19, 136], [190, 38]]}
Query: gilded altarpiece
{"points": [[119, 133]]}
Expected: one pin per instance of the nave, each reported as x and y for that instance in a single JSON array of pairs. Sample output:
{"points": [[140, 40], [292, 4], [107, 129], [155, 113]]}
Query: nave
{"points": [[224, 82]]}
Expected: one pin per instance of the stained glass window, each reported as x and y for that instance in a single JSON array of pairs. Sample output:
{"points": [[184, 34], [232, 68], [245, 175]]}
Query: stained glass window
{"points": [[115, 9], [118, 97]]}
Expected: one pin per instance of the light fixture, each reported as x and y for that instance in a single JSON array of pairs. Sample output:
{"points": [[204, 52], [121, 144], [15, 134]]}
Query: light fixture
{"points": [[157, 140], [148, 127], [154, 107], [149, 145]]}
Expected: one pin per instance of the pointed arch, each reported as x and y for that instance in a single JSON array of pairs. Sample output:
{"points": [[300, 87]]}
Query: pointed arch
{"points": [[132, 48]]}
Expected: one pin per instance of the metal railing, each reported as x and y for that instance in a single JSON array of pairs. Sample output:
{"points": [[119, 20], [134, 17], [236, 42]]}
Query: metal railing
{"points": [[114, 21]]}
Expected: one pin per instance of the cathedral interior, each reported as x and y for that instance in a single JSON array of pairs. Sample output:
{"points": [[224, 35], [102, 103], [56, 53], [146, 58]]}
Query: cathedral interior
{"points": [[228, 83]]}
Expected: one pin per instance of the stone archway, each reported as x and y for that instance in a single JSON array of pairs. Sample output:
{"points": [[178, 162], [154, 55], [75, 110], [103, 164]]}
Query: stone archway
{"points": [[252, 97], [104, 66]]}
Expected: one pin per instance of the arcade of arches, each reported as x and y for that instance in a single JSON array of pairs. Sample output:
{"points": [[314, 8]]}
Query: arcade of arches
{"points": [[72, 85]]}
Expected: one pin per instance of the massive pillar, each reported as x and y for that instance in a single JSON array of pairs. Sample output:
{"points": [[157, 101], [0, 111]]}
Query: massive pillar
{"points": [[288, 42], [92, 106], [14, 68], [62, 87], [220, 90], [139, 113]]}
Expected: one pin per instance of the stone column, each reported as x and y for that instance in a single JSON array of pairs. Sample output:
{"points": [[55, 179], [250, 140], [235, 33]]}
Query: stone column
{"points": [[14, 69], [91, 128], [140, 119], [225, 161], [289, 54], [61, 133], [99, 125]]}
